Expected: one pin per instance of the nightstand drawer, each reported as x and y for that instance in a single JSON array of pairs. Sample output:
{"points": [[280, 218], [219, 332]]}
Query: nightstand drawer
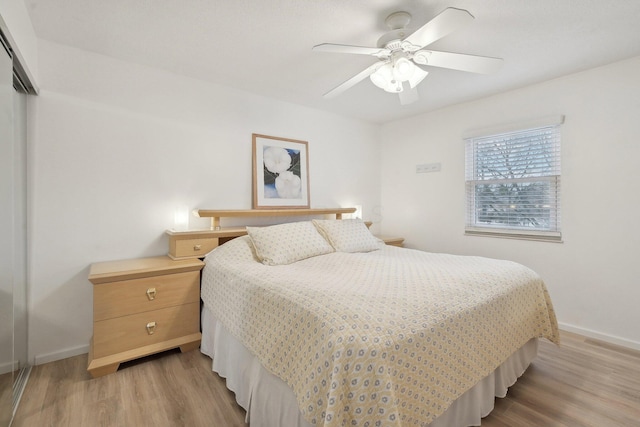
{"points": [[127, 297], [189, 248], [138, 330]]}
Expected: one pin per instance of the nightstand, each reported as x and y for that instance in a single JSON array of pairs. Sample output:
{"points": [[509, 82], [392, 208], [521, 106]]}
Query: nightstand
{"points": [[393, 241], [143, 306]]}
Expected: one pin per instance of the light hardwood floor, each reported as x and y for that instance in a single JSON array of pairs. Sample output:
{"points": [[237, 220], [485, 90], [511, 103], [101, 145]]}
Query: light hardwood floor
{"points": [[582, 383]]}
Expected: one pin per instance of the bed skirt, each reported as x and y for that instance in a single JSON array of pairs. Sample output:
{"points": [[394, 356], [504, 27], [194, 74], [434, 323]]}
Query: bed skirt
{"points": [[269, 402]]}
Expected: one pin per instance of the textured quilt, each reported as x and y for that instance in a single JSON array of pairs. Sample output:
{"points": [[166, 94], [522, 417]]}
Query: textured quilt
{"points": [[386, 338]]}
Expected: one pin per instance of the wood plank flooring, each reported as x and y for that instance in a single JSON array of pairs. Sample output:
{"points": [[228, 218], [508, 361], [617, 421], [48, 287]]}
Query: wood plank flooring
{"points": [[582, 383]]}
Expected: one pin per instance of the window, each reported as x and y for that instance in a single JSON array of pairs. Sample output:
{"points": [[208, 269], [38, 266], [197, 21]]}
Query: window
{"points": [[513, 183]]}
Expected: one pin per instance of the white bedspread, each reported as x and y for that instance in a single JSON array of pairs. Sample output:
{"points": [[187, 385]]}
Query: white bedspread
{"points": [[392, 336]]}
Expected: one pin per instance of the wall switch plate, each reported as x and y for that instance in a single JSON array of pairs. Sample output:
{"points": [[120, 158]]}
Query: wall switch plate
{"points": [[428, 167]]}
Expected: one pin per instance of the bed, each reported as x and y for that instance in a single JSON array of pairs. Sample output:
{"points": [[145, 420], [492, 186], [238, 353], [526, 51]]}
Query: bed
{"points": [[319, 323]]}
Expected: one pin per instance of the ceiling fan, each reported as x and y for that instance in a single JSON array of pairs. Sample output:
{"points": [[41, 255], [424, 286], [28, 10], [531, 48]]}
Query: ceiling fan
{"points": [[402, 55]]}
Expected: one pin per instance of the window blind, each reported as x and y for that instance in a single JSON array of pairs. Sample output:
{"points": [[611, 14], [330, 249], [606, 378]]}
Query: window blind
{"points": [[513, 183]]}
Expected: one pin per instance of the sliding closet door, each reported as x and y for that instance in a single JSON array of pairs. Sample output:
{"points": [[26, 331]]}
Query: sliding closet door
{"points": [[19, 235], [6, 231]]}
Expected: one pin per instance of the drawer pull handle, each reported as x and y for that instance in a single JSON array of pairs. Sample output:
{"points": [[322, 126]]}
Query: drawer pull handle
{"points": [[151, 328], [197, 247], [151, 294]]}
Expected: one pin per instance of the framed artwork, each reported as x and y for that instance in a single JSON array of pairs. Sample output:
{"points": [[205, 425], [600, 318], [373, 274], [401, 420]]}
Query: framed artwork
{"points": [[280, 173]]}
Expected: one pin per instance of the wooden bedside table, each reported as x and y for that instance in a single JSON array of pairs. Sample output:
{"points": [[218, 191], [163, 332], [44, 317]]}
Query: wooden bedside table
{"points": [[393, 241], [143, 306]]}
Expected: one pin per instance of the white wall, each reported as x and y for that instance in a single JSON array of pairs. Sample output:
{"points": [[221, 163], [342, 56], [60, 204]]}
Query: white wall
{"points": [[593, 277], [117, 146]]}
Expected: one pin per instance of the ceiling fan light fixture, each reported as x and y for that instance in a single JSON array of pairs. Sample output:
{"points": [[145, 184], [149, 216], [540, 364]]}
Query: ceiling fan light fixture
{"points": [[394, 86], [418, 75], [404, 69], [383, 78], [389, 77]]}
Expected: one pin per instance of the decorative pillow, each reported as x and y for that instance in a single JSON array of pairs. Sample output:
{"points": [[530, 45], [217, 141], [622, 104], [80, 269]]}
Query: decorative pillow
{"points": [[286, 243], [348, 235]]}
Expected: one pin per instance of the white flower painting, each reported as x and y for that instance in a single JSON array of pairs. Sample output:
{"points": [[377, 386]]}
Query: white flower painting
{"points": [[288, 185], [276, 159], [280, 172]]}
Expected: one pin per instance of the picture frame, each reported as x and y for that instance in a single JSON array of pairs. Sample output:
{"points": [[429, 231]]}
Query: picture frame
{"points": [[280, 173]]}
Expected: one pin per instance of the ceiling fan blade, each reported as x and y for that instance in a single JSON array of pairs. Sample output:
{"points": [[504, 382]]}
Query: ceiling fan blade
{"points": [[353, 80], [358, 50], [458, 61], [445, 23], [409, 94]]}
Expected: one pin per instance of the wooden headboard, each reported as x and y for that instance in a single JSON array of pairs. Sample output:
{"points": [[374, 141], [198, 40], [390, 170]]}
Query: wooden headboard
{"points": [[198, 243]]}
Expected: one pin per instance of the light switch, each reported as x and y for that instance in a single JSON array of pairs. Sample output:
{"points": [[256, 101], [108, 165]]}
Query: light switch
{"points": [[428, 167]]}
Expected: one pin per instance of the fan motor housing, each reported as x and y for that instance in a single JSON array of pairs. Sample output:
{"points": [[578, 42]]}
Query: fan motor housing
{"points": [[392, 40], [397, 23], [398, 20]]}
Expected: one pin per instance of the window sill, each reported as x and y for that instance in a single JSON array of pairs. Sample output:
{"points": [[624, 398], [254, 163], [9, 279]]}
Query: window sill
{"points": [[540, 236]]}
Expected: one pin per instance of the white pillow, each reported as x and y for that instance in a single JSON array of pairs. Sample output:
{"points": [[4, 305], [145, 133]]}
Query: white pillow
{"points": [[286, 243], [348, 235]]}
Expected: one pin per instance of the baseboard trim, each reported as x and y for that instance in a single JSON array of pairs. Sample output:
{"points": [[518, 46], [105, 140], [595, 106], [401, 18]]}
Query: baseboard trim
{"points": [[7, 367], [611, 339], [41, 359]]}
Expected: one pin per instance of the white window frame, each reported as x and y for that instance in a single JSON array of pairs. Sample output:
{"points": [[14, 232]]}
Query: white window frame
{"points": [[477, 142]]}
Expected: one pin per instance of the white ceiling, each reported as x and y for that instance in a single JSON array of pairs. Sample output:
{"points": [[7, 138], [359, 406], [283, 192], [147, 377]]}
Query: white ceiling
{"points": [[264, 46]]}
